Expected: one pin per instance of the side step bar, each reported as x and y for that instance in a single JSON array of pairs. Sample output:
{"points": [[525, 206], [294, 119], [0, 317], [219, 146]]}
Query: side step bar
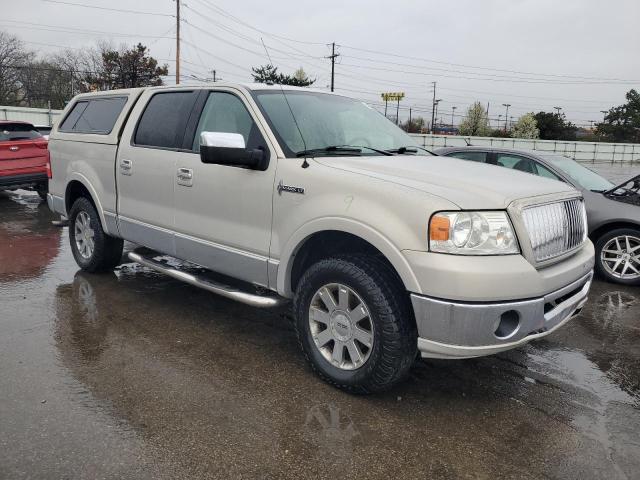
{"points": [[253, 299]]}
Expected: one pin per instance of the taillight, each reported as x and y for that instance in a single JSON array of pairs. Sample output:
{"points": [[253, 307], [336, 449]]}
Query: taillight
{"points": [[42, 145], [49, 172]]}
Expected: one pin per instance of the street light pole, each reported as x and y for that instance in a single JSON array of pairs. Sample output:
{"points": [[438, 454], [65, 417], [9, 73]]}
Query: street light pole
{"points": [[453, 109], [435, 114], [506, 115]]}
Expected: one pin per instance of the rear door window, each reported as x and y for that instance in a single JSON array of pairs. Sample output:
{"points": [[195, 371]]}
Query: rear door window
{"points": [[163, 122], [96, 116], [473, 156]]}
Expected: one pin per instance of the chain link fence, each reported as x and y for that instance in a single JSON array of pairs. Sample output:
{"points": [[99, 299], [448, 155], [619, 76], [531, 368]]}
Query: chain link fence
{"points": [[584, 152]]}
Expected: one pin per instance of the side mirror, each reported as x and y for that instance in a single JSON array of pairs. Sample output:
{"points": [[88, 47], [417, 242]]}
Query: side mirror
{"points": [[223, 148]]}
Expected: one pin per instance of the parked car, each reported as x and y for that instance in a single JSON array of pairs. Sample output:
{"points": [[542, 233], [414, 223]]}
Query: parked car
{"points": [[24, 158], [294, 194], [613, 212], [44, 130]]}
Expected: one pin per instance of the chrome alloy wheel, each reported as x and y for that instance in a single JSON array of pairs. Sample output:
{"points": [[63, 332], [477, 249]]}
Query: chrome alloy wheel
{"points": [[84, 235], [341, 326], [621, 257]]}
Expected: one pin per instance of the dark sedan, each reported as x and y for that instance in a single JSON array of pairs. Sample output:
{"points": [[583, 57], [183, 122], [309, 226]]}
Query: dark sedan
{"points": [[613, 211]]}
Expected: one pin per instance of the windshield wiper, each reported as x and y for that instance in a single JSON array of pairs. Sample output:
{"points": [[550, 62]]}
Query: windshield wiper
{"points": [[409, 149], [355, 150]]}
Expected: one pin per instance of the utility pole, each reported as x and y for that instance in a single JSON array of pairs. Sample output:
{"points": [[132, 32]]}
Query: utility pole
{"points": [[433, 107], [557, 109], [409, 117], [333, 57], [177, 42], [398, 112], [453, 110], [214, 75], [506, 115]]}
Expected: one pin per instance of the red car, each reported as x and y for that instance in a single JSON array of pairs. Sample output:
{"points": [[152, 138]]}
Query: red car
{"points": [[24, 158]]}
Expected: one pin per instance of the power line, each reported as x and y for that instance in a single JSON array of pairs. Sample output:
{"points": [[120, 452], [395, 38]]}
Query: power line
{"points": [[79, 31], [121, 10], [486, 68]]}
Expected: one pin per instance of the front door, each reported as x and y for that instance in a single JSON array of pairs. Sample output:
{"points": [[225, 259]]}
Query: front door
{"points": [[223, 213]]}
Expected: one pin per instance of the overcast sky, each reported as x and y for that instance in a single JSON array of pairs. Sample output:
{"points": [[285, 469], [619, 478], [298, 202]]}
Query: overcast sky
{"points": [[581, 55]]}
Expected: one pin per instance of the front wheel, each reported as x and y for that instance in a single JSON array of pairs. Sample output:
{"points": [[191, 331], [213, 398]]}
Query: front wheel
{"points": [[355, 324], [618, 256], [93, 249]]}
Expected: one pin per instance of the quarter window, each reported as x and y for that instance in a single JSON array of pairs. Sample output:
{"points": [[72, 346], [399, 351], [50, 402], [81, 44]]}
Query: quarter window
{"points": [[163, 122]]}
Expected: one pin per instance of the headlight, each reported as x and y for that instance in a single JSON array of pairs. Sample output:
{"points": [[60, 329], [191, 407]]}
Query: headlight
{"points": [[472, 233]]}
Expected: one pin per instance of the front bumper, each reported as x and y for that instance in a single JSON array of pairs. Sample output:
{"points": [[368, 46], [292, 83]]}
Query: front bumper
{"points": [[450, 329]]}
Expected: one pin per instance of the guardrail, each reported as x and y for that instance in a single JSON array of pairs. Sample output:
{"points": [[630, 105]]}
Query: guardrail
{"points": [[36, 116], [584, 152]]}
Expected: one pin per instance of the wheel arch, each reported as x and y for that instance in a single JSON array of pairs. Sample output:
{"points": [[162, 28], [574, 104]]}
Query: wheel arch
{"points": [[324, 237], [78, 186], [612, 225]]}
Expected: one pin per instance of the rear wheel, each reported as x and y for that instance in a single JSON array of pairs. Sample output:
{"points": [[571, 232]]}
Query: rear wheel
{"points": [[355, 324], [618, 256], [93, 249]]}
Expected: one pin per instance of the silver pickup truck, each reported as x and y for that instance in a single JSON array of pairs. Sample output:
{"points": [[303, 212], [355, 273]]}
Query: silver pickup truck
{"points": [[292, 194]]}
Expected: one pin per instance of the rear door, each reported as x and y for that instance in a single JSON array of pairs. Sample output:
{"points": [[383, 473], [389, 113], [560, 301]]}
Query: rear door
{"points": [[146, 163], [23, 150]]}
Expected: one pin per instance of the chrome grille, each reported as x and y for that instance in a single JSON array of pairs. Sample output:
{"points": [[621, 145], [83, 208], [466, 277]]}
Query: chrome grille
{"points": [[555, 228]]}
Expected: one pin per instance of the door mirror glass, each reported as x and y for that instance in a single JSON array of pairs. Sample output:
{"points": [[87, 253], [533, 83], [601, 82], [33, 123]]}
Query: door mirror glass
{"points": [[221, 139], [223, 148]]}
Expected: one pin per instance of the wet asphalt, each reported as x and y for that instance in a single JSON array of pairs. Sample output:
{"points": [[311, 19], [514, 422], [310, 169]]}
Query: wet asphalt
{"points": [[135, 375]]}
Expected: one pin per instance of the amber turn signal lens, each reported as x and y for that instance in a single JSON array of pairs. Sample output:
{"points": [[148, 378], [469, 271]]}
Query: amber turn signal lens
{"points": [[439, 228]]}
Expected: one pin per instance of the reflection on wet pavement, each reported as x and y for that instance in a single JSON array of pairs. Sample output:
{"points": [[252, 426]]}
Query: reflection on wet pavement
{"points": [[135, 375]]}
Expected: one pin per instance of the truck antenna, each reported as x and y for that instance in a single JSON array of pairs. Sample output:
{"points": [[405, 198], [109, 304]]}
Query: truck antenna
{"points": [[304, 144]]}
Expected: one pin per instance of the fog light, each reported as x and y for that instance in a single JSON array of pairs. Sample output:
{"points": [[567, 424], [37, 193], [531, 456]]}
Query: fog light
{"points": [[507, 325]]}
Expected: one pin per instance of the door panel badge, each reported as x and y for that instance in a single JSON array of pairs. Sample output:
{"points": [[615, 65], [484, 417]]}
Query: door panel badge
{"points": [[289, 188]]}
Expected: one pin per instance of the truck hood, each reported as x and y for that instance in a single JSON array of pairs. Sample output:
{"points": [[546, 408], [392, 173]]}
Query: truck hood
{"points": [[469, 185]]}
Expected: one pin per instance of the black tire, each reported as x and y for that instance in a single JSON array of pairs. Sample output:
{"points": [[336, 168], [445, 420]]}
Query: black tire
{"points": [[394, 346], [42, 191], [600, 245], [107, 251]]}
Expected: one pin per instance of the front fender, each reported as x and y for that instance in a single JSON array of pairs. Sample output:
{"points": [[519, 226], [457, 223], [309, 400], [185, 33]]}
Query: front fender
{"points": [[347, 225]]}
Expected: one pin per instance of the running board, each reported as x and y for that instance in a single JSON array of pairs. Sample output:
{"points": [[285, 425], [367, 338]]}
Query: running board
{"points": [[253, 299]]}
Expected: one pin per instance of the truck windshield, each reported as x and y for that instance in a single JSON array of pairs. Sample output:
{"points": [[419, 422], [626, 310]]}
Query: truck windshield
{"points": [[327, 121], [587, 179]]}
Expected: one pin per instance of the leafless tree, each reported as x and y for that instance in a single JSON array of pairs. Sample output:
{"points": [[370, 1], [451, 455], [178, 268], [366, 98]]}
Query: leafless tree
{"points": [[13, 58]]}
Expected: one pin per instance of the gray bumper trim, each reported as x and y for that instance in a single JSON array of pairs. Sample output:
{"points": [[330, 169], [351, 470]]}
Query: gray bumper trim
{"points": [[461, 330]]}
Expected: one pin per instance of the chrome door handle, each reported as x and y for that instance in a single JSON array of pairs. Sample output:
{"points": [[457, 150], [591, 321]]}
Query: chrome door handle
{"points": [[185, 173], [126, 166], [185, 177]]}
